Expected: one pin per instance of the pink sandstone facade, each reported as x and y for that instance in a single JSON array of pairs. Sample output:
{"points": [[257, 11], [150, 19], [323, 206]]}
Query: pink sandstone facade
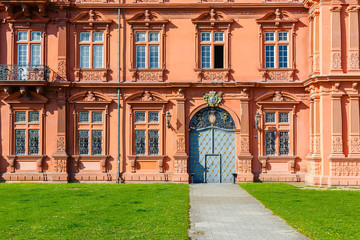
{"points": [[98, 90]]}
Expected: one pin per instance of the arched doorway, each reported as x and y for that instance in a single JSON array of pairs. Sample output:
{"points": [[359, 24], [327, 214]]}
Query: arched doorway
{"points": [[212, 146]]}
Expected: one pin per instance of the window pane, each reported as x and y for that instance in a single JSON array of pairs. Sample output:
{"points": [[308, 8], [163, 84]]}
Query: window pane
{"points": [[205, 37], [33, 142], [83, 142], [283, 117], [283, 56], [140, 117], [270, 142], [153, 142], [84, 56], [96, 147], [153, 117], [98, 56], [269, 36], [35, 36], [283, 36], [83, 117], [140, 56], [35, 54], [154, 56], [218, 37], [270, 117], [283, 143], [20, 117], [97, 117], [205, 56], [84, 37], [140, 37], [22, 36], [20, 142], [33, 116], [154, 37], [140, 142], [98, 37], [22, 54], [269, 56]]}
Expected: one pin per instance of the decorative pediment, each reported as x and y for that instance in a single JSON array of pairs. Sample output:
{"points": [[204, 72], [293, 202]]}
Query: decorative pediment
{"points": [[26, 17], [91, 17], [14, 8], [146, 97], [212, 17], [277, 17], [25, 97], [277, 97], [146, 18], [89, 97]]}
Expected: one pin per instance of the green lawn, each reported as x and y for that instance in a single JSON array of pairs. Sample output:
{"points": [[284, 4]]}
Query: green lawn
{"points": [[318, 214], [94, 211]]}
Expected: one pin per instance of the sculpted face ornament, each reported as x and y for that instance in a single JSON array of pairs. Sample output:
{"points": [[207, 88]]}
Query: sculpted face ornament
{"points": [[212, 99]]}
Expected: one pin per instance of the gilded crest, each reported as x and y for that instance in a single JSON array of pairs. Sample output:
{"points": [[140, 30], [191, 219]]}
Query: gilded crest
{"points": [[213, 99]]}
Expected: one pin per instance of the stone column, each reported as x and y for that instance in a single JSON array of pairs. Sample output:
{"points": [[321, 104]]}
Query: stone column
{"points": [[335, 64], [244, 158], [354, 124], [353, 42], [316, 136], [311, 101], [60, 156], [180, 157], [336, 123]]}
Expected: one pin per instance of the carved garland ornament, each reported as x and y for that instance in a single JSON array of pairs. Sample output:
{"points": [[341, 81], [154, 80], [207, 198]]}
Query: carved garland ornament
{"points": [[60, 143], [337, 146]]}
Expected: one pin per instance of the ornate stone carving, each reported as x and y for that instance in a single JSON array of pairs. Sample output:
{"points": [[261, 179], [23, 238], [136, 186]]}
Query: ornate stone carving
{"points": [[180, 166], [149, 76], [314, 168], [316, 62], [354, 144], [60, 165], [133, 165], [342, 168], [103, 163], [336, 61], [212, 1], [60, 143], [245, 144], [147, 96], [213, 76], [264, 165], [317, 144], [92, 76], [355, 86], [278, 97], [90, 97], [180, 144], [61, 73], [354, 61], [213, 99], [336, 87], [146, 1], [180, 92], [337, 145], [273, 75], [12, 161], [244, 166]]}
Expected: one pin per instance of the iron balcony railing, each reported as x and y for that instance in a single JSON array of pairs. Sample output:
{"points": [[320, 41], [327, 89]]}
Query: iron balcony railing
{"points": [[24, 72]]}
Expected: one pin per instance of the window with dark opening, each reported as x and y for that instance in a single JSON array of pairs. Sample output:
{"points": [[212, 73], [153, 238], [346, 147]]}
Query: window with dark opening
{"points": [[218, 56]]}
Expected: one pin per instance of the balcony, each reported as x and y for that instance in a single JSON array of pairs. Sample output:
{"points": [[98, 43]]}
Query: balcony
{"points": [[24, 73]]}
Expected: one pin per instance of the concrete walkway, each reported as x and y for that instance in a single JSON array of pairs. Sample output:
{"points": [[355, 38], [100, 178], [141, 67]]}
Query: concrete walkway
{"points": [[226, 211]]}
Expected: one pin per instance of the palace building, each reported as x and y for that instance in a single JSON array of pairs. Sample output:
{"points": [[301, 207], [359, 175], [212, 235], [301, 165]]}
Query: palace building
{"points": [[203, 91]]}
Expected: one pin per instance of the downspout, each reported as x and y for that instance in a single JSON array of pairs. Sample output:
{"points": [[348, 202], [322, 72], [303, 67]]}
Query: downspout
{"points": [[118, 105]]}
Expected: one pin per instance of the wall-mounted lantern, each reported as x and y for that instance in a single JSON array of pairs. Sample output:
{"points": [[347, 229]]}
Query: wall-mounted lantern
{"points": [[257, 120], [168, 118]]}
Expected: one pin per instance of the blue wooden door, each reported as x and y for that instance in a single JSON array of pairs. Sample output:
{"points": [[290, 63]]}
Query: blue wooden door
{"points": [[212, 146]]}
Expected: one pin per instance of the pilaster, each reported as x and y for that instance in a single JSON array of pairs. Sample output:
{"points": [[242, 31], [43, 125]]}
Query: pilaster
{"points": [[336, 123], [335, 64], [353, 39], [354, 126]]}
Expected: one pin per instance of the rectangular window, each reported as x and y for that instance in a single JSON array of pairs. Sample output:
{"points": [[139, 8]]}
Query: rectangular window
{"points": [[154, 56], [283, 143], [35, 36], [33, 117], [85, 37], [140, 56], [28, 51], [20, 141], [218, 37], [98, 37], [270, 56], [283, 56], [283, 37], [22, 54], [22, 36], [153, 142], [140, 142], [270, 143], [269, 36], [153, 37], [83, 142], [98, 56], [83, 117], [84, 56], [205, 56], [96, 147], [35, 54], [205, 37], [97, 117], [270, 117], [140, 37], [20, 117], [219, 56], [140, 117], [153, 117], [33, 142], [283, 117]]}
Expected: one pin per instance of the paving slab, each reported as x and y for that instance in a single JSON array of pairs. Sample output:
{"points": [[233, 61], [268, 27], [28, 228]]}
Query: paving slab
{"points": [[226, 211]]}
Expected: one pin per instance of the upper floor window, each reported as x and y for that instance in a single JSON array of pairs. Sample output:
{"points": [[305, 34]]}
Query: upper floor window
{"points": [[212, 49], [28, 48], [147, 44], [27, 132], [91, 49], [276, 45]]}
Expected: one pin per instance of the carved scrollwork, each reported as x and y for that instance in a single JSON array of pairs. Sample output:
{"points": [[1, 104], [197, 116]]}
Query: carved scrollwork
{"points": [[60, 165], [180, 144], [245, 144], [355, 145], [244, 166], [336, 61], [343, 168], [180, 166], [337, 145]]}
